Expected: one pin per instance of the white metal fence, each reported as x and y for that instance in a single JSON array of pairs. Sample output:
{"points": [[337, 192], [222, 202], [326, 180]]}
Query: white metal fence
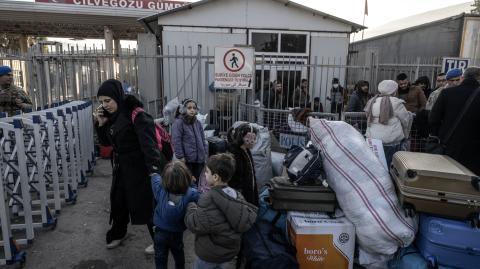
{"points": [[45, 156], [52, 73]]}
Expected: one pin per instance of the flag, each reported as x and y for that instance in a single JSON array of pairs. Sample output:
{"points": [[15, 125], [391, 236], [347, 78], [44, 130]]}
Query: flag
{"points": [[366, 8]]}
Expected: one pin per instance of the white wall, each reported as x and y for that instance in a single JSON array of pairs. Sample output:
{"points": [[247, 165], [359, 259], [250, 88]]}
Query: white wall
{"points": [[260, 14], [178, 72], [328, 49], [148, 67]]}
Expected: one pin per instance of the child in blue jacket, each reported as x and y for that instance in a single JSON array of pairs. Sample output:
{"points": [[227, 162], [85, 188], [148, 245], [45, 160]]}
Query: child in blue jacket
{"points": [[172, 193]]}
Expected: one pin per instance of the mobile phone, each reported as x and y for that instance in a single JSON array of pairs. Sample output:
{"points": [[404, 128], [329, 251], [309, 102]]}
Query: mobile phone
{"points": [[104, 111]]}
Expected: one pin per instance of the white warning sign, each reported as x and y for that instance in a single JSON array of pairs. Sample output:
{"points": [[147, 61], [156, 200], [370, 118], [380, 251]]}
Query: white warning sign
{"points": [[234, 68]]}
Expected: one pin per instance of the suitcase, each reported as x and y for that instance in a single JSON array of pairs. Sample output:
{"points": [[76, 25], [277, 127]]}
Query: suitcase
{"points": [[435, 184], [449, 243], [216, 145], [284, 195]]}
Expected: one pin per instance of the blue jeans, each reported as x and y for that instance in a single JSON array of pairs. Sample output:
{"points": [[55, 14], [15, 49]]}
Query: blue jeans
{"points": [[390, 149], [165, 241], [201, 264]]}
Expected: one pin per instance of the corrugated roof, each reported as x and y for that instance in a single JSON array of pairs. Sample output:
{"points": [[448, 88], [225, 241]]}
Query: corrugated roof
{"points": [[417, 20], [355, 27]]}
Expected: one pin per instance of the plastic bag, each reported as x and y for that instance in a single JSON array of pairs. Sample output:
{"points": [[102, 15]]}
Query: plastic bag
{"points": [[363, 187], [169, 111]]}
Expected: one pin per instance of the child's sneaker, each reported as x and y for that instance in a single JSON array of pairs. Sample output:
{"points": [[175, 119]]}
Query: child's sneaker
{"points": [[150, 250], [115, 243]]}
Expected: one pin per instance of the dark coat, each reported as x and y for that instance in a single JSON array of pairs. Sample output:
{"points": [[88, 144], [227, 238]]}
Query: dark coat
{"points": [[244, 179], [357, 102], [189, 141], [464, 145], [136, 156], [218, 222]]}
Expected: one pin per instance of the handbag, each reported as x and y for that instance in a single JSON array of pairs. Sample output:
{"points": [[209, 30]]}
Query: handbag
{"points": [[433, 144]]}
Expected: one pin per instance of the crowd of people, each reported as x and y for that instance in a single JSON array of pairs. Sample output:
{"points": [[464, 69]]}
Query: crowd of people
{"points": [[147, 189]]}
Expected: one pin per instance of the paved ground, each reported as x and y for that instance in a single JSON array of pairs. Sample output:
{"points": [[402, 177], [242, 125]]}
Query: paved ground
{"points": [[78, 242]]}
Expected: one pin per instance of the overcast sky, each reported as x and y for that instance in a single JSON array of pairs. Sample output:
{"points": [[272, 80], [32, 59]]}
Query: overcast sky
{"points": [[379, 11]]}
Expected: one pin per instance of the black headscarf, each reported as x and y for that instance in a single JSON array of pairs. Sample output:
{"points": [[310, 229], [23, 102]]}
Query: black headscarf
{"points": [[113, 89]]}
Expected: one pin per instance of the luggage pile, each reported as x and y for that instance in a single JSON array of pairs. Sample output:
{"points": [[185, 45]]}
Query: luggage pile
{"points": [[432, 192], [299, 219], [446, 195]]}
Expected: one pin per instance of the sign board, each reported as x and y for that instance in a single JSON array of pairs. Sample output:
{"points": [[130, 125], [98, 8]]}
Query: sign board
{"points": [[288, 140], [234, 68], [451, 63], [139, 4]]}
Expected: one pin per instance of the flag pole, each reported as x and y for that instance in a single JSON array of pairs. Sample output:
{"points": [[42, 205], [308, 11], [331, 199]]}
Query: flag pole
{"points": [[365, 12], [363, 24]]}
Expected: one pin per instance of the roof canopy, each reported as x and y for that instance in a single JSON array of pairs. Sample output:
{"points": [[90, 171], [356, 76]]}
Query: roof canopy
{"points": [[63, 20]]}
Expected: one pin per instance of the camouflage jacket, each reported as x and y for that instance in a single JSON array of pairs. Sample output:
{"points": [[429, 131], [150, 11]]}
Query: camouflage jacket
{"points": [[8, 100]]}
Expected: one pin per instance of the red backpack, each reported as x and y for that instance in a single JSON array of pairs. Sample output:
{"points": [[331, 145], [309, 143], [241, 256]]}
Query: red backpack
{"points": [[164, 141]]}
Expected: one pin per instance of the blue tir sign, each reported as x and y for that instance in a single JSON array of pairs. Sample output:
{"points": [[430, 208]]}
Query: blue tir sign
{"points": [[451, 63]]}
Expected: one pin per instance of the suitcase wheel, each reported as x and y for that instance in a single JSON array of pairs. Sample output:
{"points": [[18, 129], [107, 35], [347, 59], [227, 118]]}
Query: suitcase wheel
{"points": [[432, 263], [409, 210]]}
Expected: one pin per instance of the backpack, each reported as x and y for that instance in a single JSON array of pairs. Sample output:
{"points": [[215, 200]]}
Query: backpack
{"points": [[304, 165], [266, 247], [164, 141]]}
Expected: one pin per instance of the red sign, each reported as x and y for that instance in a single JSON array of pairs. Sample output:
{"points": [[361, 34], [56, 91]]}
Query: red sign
{"points": [[146, 4]]}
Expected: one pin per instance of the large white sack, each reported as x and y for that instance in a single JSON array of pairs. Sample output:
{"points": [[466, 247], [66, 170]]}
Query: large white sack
{"points": [[261, 154], [363, 187]]}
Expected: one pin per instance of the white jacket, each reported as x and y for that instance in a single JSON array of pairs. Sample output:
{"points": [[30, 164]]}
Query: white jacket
{"points": [[398, 126]]}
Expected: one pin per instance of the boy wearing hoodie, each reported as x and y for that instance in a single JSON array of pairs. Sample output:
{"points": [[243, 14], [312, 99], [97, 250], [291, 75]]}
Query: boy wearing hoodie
{"points": [[220, 218]]}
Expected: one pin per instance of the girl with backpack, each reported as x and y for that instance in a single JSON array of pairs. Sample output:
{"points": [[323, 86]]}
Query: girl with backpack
{"points": [[135, 157], [188, 138]]}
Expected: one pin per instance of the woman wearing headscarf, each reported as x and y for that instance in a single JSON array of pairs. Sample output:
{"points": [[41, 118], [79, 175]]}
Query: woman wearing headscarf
{"points": [[388, 119], [135, 158]]}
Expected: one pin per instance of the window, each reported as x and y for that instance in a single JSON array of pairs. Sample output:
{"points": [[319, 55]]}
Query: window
{"points": [[265, 42], [293, 43]]}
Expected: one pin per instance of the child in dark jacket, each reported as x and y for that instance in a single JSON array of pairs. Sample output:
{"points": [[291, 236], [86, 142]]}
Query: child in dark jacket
{"points": [[188, 138], [220, 218], [172, 193]]}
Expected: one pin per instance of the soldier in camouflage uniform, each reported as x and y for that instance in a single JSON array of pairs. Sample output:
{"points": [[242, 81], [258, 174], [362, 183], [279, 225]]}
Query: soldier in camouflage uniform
{"points": [[12, 98]]}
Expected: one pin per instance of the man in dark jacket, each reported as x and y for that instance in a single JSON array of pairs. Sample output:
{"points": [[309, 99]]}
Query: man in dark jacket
{"points": [[359, 98], [413, 96], [464, 143]]}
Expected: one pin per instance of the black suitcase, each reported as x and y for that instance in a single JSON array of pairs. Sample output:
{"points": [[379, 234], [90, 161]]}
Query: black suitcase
{"points": [[216, 145], [285, 195]]}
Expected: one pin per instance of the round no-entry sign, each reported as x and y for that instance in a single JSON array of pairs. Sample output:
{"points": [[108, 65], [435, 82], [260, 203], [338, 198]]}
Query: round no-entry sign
{"points": [[234, 60]]}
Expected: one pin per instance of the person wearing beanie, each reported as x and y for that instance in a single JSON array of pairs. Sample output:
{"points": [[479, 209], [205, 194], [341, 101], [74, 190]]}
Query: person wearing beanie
{"points": [[413, 96], [388, 119], [136, 158], [12, 98], [453, 77], [464, 142]]}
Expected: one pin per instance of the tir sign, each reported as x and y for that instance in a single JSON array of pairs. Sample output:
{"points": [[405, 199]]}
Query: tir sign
{"points": [[452, 63]]}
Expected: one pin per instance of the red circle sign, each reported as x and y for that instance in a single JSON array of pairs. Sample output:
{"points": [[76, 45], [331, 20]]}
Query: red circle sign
{"points": [[232, 69]]}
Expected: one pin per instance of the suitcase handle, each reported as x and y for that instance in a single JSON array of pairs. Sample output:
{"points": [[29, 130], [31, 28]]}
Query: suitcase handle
{"points": [[474, 251]]}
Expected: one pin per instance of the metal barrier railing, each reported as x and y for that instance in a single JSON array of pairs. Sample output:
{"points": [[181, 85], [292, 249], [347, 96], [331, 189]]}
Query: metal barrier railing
{"points": [[290, 132], [45, 156]]}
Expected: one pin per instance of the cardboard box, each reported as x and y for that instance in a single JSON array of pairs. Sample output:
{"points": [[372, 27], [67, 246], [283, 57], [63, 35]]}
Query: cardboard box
{"points": [[321, 242]]}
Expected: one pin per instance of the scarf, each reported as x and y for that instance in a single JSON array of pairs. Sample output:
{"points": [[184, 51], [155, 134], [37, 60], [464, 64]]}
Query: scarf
{"points": [[386, 109]]}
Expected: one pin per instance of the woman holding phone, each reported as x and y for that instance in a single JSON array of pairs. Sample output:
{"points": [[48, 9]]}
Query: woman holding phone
{"points": [[135, 158]]}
